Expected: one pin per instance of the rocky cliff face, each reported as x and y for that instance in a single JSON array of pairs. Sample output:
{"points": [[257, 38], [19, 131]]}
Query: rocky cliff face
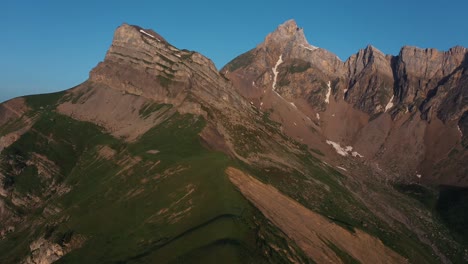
{"points": [[417, 87], [371, 84], [144, 64]]}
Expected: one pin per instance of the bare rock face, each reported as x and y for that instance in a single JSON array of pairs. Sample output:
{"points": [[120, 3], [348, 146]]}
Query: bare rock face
{"points": [[44, 252], [420, 70], [142, 63], [415, 88], [370, 81]]}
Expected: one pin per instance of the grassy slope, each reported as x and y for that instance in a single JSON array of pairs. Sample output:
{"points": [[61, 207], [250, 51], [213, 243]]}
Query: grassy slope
{"points": [[131, 214], [325, 190], [132, 217]]}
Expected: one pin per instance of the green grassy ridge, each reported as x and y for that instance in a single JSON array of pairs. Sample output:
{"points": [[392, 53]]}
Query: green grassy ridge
{"points": [[61, 139], [117, 226], [222, 220]]}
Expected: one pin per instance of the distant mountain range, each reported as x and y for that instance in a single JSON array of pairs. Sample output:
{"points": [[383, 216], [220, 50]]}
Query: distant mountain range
{"points": [[287, 154]]}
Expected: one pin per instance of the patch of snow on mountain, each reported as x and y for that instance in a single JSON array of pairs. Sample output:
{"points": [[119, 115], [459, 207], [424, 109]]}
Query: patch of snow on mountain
{"points": [[341, 151], [344, 151], [309, 47], [356, 154], [147, 34], [327, 98], [275, 71], [390, 104]]}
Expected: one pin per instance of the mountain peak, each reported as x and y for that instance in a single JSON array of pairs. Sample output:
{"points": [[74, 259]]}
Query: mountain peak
{"points": [[289, 27], [130, 33], [373, 49], [285, 33]]}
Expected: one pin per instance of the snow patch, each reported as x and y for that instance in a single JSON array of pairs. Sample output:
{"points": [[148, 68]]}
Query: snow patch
{"points": [[459, 130], [341, 151], [280, 96], [318, 116], [355, 154], [261, 103], [344, 151], [309, 47], [149, 35], [178, 55], [341, 168], [327, 98], [390, 104], [275, 71], [419, 176]]}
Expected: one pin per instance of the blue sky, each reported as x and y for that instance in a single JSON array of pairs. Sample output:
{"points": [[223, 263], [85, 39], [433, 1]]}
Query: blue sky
{"points": [[52, 45]]}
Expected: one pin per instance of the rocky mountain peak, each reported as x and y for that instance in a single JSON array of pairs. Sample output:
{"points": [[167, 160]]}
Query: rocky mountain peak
{"points": [[142, 63], [287, 34], [373, 50], [289, 42], [369, 55], [288, 28]]}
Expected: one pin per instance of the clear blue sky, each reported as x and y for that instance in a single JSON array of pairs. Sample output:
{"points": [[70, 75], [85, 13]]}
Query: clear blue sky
{"points": [[52, 45]]}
